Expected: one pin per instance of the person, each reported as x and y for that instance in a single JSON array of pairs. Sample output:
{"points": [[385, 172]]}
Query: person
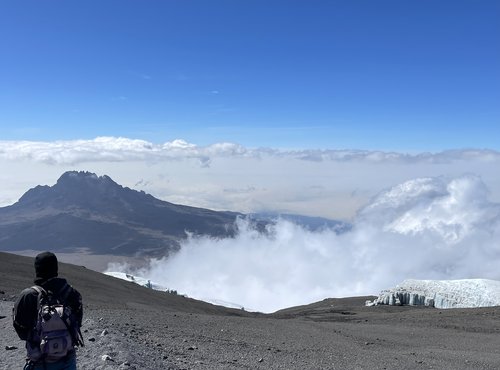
{"points": [[27, 317]]}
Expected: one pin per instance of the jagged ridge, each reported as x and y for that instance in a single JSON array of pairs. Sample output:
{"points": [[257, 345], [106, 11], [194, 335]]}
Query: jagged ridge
{"points": [[83, 210]]}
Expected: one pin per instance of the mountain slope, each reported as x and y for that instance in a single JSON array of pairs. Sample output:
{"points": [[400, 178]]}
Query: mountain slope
{"points": [[86, 211], [99, 290]]}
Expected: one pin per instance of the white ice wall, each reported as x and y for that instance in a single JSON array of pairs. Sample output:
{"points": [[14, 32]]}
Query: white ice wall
{"points": [[467, 293]]}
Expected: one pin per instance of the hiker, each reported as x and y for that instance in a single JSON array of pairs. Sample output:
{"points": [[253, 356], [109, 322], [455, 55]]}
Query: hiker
{"points": [[48, 316]]}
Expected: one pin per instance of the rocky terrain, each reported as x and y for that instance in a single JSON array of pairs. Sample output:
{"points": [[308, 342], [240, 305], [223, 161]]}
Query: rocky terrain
{"points": [[130, 327]]}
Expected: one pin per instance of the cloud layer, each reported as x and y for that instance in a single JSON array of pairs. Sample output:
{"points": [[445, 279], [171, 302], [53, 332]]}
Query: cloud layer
{"points": [[227, 176], [426, 228], [112, 149]]}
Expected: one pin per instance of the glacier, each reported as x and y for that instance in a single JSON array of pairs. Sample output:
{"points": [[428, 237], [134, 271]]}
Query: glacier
{"points": [[464, 293], [155, 286], [137, 279]]}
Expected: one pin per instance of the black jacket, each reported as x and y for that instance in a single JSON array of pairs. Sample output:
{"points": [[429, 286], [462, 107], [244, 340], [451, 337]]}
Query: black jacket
{"points": [[25, 309]]}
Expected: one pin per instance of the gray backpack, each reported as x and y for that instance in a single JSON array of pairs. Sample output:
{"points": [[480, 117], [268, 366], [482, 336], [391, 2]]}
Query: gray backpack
{"points": [[55, 333]]}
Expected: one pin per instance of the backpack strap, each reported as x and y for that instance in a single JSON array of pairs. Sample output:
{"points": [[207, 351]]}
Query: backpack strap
{"points": [[62, 296], [80, 338], [39, 289], [40, 294], [75, 333]]}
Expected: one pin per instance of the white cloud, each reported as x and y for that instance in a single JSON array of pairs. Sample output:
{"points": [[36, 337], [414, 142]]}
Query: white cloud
{"points": [[124, 149], [433, 205], [429, 228]]}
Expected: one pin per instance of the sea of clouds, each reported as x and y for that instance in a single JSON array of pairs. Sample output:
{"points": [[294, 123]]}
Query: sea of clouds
{"points": [[426, 228]]}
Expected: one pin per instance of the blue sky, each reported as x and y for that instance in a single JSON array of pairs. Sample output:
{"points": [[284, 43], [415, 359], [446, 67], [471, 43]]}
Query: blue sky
{"points": [[386, 75]]}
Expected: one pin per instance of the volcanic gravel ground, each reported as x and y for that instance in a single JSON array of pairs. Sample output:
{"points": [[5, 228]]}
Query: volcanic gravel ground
{"points": [[130, 327]]}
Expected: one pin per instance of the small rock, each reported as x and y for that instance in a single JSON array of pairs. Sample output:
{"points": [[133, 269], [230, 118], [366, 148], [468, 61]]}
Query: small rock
{"points": [[10, 348], [2, 317], [104, 332], [192, 348], [107, 358], [260, 359], [2, 292], [91, 339]]}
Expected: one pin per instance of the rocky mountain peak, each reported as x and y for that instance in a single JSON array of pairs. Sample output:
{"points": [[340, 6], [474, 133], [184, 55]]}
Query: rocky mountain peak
{"points": [[84, 178], [76, 188]]}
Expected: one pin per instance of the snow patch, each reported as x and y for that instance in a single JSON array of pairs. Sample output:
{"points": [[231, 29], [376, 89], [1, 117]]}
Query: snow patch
{"points": [[137, 279], [152, 285]]}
